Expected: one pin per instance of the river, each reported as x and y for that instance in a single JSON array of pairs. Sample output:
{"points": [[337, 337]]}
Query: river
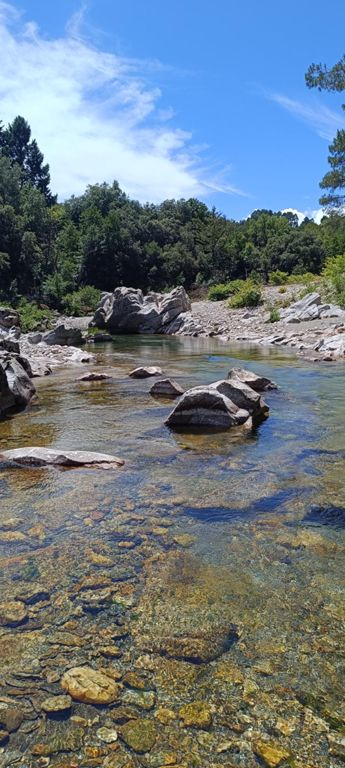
{"points": [[206, 576]]}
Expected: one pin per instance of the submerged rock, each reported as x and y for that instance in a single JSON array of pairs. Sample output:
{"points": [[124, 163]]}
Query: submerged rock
{"points": [[253, 380], [140, 735], [94, 376], [206, 407], [90, 686], [197, 714], [57, 703], [50, 456], [144, 372], [12, 614], [166, 388]]}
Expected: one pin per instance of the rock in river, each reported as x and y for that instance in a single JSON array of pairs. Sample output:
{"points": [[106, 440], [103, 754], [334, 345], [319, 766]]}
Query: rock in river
{"points": [[127, 310], [140, 735], [145, 372], [12, 613], [243, 396], [206, 407], [64, 336], [56, 457], [253, 380], [90, 686], [166, 388], [57, 703]]}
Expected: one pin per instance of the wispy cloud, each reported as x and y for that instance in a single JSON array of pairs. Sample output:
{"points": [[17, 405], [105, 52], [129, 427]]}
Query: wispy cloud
{"points": [[96, 115], [323, 120]]}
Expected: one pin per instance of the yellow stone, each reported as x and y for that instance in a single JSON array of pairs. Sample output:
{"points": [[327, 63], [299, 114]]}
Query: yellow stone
{"points": [[184, 539], [197, 714], [165, 716], [272, 754]]}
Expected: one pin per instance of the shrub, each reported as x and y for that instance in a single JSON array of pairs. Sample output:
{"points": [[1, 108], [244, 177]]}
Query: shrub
{"points": [[274, 315], [248, 296], [334, 275], [32, 316], [218, 292], [278, 277], [282, 289], [82, 302], [222, 291]]}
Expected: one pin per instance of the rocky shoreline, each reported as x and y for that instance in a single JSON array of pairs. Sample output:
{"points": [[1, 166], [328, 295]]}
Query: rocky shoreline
{"points": [[316, 339]]}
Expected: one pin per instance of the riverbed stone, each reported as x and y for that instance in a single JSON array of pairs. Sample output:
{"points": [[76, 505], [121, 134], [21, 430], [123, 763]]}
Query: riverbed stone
{"points": [[141, 699], [38, 456], [11, 717], [140, 735], [197, 714], [108, 735], [271, 753], [56, 703], [90, 686], [12, 614]]}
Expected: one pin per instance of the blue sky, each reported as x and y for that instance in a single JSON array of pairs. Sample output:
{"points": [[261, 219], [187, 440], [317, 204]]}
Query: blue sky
{"points": [[176, 99]]}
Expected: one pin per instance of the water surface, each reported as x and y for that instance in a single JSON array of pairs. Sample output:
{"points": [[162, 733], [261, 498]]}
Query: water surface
{"points": [[207, 572]]}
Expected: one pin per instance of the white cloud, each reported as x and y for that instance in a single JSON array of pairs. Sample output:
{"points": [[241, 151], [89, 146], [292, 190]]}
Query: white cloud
{"points": [[315, 214], [323, 120], [96, 115]]}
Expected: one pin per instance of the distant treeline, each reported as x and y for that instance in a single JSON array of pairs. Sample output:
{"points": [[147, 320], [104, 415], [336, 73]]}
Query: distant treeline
{"points": [[104, 239]]}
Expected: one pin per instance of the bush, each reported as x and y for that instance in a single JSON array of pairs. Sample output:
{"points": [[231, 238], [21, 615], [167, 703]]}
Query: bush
{"points": [[248, 296], [32, 316], [82, 302], [278, 277], [222, 291], [274, 315], [334, 275], [282, 289]]}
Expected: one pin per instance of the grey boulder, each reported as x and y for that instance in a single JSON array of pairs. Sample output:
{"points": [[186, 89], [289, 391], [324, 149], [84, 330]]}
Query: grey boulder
{"points": [[54, 456], [206, 407], [63, 336], [17, 371], [166, 388], [9, 317], [144, 372], [253, 380], [127, 310], [244, 397]]}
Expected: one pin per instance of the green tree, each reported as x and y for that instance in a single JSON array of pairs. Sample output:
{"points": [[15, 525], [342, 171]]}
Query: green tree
{"points": [[319, 76]]}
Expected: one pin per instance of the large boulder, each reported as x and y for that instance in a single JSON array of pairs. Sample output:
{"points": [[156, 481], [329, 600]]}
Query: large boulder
{"points": [[243, 397], [64, 336], [9, 317], [206, 407], [127, 310], [7, 400], [17, 371], [253, 380], [53, 456], [310, 308]]}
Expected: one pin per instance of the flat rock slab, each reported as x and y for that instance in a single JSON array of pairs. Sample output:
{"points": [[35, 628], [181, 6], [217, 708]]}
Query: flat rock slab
{"points": [[90, 686], [55, 457], [144, 373], [94, 376]]}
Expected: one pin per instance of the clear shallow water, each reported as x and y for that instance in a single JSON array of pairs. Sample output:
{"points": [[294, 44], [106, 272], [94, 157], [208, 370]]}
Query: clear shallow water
{"points": [[195, 535]]}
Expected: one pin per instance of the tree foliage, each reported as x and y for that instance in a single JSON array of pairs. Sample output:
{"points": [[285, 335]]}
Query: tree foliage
{"points": [[49, 251], [319, 76]]}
